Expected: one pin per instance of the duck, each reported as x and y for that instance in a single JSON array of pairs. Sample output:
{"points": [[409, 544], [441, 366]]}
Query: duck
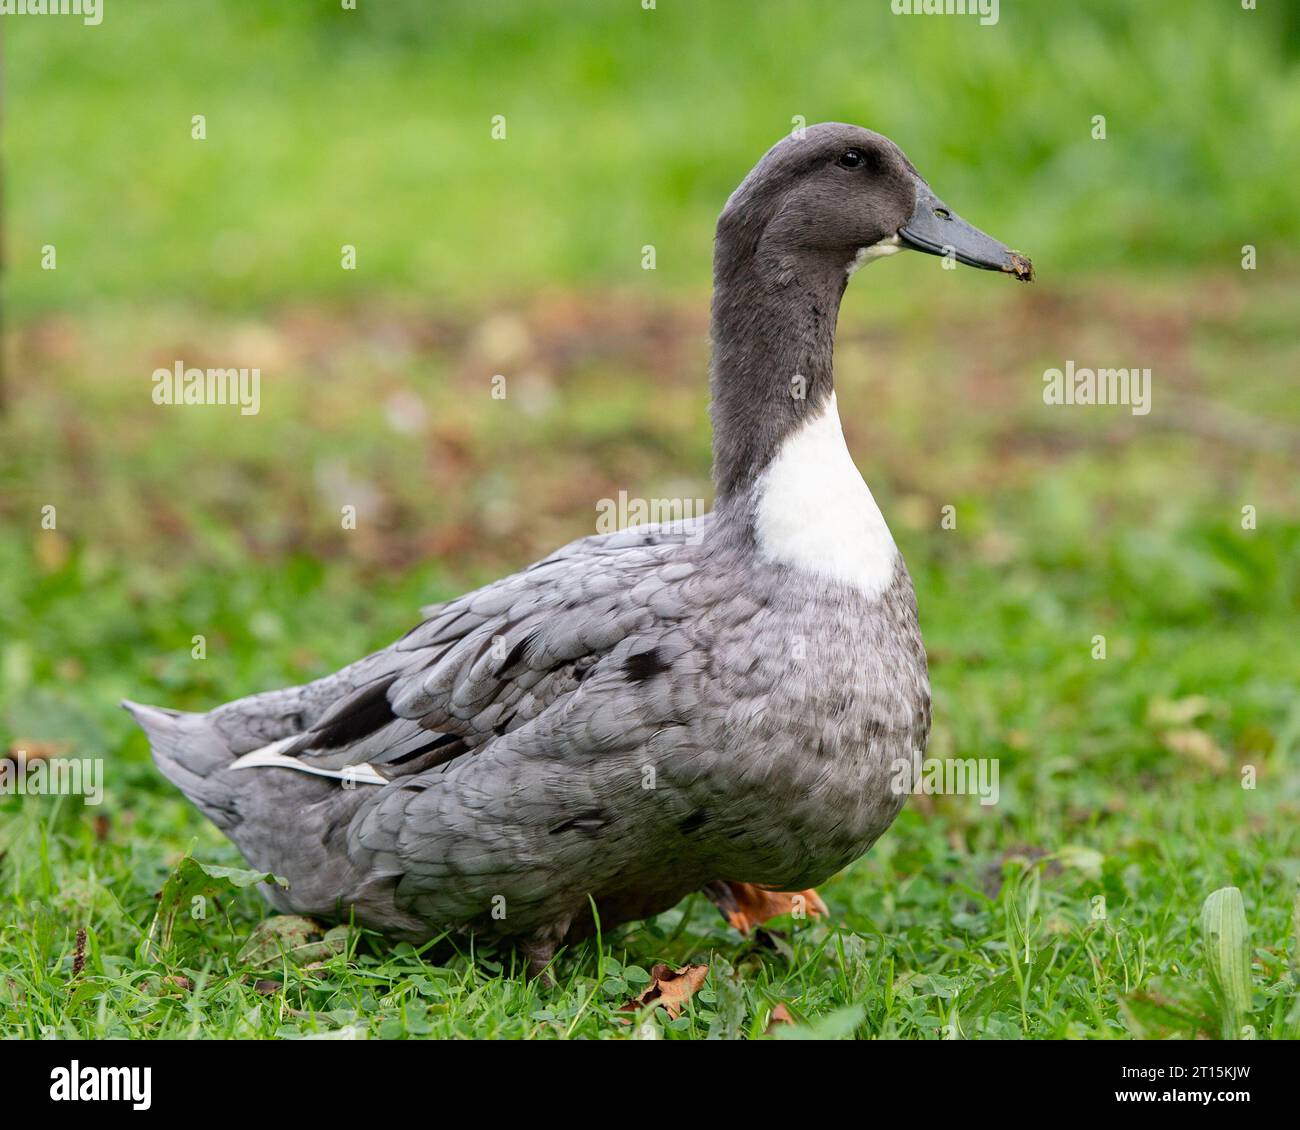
{"points": [[718, 703]]}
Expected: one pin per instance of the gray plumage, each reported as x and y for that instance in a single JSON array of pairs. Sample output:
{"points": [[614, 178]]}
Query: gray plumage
{"points": [[639, 715]]}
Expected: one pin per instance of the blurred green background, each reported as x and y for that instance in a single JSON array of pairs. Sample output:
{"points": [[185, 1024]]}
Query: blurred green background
{"points": [[625, 127], [523, 257]]}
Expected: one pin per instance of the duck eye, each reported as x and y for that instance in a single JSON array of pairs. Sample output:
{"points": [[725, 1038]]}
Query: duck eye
{"points": [[852, 159]]}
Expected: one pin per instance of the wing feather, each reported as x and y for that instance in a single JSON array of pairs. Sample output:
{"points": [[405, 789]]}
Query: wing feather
{"points": [[493, 660]]}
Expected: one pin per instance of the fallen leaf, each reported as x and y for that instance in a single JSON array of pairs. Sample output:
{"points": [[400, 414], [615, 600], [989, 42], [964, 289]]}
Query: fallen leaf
{"points": [[669, 987], [51, 550], [1198, 747], [780, 1015], [36, 750], [174, 984], [1178, 711], [745, 906]]}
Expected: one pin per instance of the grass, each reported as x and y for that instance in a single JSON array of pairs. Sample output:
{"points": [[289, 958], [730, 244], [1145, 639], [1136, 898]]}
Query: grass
{"points": [[1121, 778], [1069, 908]]}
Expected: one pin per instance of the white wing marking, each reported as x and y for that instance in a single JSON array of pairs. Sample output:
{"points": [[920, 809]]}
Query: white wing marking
{"points": [[269, 756]]}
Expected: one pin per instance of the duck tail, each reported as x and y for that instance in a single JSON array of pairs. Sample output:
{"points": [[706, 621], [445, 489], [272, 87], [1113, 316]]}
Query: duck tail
{"points": [[189, 752]]}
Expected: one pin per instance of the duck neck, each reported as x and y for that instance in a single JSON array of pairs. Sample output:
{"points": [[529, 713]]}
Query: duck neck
{"points": [[773, 333]]}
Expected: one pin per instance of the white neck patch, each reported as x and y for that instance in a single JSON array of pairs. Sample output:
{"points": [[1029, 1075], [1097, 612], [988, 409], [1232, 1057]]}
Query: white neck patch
{"points": [[890, 246], [816, 513]]}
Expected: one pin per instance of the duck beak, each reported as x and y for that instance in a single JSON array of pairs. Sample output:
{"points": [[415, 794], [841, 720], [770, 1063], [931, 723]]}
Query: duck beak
{"points": [[937, 230]]}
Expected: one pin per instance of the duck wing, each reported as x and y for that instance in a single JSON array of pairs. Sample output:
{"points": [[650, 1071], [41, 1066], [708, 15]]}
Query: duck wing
{"points": [[487, 663]]}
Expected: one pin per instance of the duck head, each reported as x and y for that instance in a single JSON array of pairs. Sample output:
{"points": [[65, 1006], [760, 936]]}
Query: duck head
{"points": [[815, 208], [839, 195]]}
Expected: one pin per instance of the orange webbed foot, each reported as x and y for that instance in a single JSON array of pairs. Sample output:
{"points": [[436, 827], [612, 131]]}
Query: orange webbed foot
{"points": [[746, 906]]}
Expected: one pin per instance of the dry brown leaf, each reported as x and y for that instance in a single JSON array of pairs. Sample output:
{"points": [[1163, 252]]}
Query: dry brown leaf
{"points": [[36, 750], [671, 988], [175, 984], [52, 550], [1197, 747], [780, 1015], [1178, 711], [746, 906]]}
